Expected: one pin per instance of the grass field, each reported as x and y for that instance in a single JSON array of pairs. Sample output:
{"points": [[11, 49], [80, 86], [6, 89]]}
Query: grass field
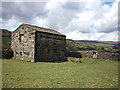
{"points": [[89, 74]]}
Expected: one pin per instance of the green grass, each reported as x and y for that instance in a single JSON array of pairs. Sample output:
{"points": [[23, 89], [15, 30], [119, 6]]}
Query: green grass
{"points": [[89, 74]]}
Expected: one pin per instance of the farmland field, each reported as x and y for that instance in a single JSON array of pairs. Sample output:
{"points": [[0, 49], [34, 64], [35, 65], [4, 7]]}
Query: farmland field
{"points": [[89, 74]]}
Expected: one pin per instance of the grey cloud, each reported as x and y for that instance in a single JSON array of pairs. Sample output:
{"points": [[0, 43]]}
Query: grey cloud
{"points": [[74, 6], [27, 11], [108, 30], [60, 17], [24, 11]]}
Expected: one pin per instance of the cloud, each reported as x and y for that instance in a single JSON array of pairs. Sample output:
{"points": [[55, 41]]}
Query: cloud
{"points": [[21, 12], [108, 20], [61, 13], [76, 35], [82, 22], [85, 19]]}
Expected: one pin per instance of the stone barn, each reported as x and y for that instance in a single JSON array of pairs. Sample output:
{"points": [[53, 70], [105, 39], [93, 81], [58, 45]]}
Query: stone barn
{"points": [[33, 43]]}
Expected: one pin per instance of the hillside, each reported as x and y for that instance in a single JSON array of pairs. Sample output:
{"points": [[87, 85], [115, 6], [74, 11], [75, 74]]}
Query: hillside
{"points": [[5, 33], [76, 45], [102, 42], [5, 38]]}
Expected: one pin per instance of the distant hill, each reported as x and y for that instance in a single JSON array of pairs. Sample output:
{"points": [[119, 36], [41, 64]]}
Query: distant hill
{"points": [[102, 42], [5, 38], [77, 45], [87, 41], [5, 33], [111, 42]]}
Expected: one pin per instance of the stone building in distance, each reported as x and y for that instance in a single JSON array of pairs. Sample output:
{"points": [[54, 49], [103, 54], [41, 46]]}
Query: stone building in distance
{"points": [[33, 43]]}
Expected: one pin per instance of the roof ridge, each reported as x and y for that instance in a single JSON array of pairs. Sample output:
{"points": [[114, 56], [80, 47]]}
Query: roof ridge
{"points": [[49, 30]]}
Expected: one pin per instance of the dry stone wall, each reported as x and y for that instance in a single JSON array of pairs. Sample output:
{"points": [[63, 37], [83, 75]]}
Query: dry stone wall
{"points": [[102, 55]]}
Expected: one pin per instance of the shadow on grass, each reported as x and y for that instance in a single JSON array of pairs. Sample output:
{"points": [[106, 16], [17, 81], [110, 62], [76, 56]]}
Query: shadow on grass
{"points": [[53, 61]]}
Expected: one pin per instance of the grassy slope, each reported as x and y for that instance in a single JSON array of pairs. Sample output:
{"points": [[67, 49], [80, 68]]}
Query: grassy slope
{"points": [[5, 39], [89, 74], [75, 45], [6, 42]]}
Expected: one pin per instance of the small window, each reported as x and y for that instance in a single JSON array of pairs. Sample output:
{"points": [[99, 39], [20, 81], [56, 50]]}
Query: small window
{"points": [[21, 39], [21, 53]]}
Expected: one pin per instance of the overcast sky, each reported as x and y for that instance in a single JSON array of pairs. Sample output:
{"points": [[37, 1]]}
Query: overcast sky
{"points": [[81, 20]]}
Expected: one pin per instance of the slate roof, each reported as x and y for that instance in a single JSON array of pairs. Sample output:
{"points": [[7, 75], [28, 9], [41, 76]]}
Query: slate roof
{"points": [[37, 28]]}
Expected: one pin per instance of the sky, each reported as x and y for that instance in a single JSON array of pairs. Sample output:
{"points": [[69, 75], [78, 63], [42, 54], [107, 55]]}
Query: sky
{"points": [[78, 20]]}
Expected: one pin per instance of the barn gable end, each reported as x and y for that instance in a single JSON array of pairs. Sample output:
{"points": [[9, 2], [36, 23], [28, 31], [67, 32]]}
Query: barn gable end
{"points": [[23, 42]]}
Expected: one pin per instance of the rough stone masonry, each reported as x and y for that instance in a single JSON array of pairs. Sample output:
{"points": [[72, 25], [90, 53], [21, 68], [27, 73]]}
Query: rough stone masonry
{"points": [[33, 43]]}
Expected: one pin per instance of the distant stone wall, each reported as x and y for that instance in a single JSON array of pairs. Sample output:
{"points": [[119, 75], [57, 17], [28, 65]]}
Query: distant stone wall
{"points": [[50, 47], [102, 55]]}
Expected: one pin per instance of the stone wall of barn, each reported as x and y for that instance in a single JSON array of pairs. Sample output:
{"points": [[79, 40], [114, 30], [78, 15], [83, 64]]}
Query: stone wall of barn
{"points": [[23, 42], [50, 47]]}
